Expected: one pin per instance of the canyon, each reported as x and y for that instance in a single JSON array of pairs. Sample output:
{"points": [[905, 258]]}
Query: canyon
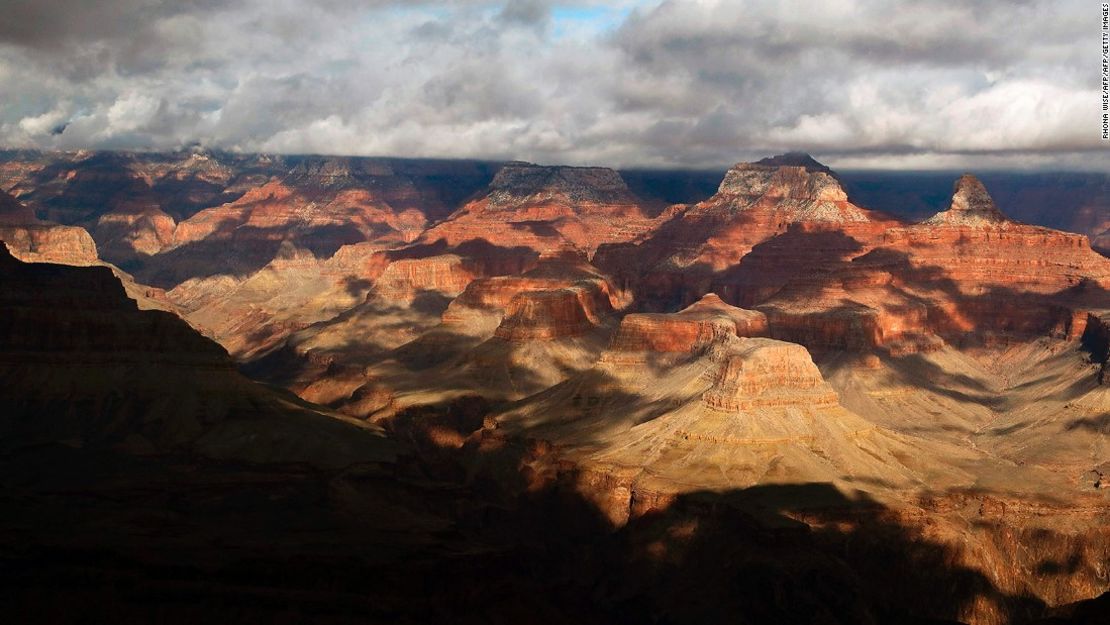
{"points": [[427, 390]]}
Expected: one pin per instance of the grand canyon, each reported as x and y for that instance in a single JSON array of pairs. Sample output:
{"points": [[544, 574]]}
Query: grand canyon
{"points": [[554, 312], [267, 388]]}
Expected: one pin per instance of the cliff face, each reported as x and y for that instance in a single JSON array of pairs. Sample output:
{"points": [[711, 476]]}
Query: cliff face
{"points": [[519, 184], [403, 280], [748, 183], [34, 240], [84, 366], [170, 217], [1071, 201], [123, 235], [975, 245], [779, 237], [992, 276]]}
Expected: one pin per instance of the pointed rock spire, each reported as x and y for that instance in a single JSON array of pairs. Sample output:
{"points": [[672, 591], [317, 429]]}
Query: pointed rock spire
{"points": [[971, 205]]}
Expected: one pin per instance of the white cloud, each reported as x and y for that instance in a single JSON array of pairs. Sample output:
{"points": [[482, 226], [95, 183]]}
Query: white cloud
{"points": [[44, 124], [680, 82], [130, 112]]}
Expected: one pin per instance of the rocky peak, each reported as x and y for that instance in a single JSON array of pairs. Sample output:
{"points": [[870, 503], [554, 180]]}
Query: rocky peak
{"points": [[971, 205], [517, 182], [793, 176]]}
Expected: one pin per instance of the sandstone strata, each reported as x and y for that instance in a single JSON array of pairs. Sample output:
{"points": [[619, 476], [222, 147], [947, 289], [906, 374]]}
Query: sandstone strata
{"points": [[34, 240], [695, 327], [551, 210]]}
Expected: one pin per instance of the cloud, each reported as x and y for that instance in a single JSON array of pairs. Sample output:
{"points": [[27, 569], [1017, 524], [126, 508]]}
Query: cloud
{"points": [[698, 83]]}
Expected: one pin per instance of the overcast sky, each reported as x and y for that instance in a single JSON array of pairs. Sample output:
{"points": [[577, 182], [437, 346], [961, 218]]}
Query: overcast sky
{"points": [[690, 83]]}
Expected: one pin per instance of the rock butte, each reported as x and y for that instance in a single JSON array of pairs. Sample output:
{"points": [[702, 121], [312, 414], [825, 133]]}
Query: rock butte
{"points": [[554, 313], [714, 407], [687, 331]]}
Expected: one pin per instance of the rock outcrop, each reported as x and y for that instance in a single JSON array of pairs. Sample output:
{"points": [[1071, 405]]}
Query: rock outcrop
{"points": [[687, 332], [967, 276], [405, 279], [556, 298], [34, 240], [122, 236], [548, 314], [768, 373], [552, 210]]}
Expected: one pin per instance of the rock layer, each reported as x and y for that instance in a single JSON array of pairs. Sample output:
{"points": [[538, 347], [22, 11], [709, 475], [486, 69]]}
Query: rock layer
{"points": [[689, 331], [763, 373], [552, 210], [34, 240]]}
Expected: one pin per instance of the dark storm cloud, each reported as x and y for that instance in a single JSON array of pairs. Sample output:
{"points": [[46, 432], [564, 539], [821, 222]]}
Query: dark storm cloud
{"points": [[55, 23], [528, 12], [681, 82]]}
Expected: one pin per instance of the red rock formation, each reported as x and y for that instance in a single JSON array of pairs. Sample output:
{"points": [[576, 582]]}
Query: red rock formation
{"points": [[698, 248], [491, 300], [251, 316], [551, 210], [125, 234], [554, 313], [974, 245], [984, 274], [971, 206], [680, 399], [686, 332], [764, 373], [856, 306], [834, 278], [403, 280], [280, 206], [34, 240]]}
